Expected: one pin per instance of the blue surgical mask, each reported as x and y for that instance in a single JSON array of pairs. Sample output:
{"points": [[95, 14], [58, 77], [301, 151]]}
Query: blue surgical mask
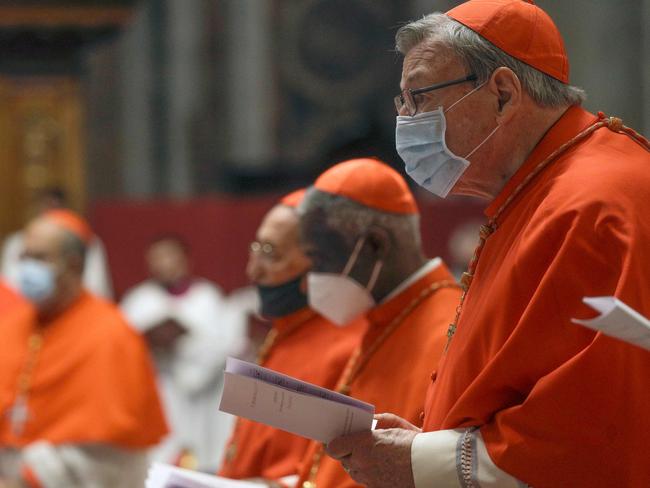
{"points": [[420, 142], [37, 280]]}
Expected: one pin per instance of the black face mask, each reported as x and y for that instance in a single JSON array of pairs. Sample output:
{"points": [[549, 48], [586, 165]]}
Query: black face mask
{"points": [[281, 300]]}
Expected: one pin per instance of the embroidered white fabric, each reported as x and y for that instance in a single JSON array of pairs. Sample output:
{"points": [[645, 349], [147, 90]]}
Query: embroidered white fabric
{"points": [[190, 379], [441, 458]]}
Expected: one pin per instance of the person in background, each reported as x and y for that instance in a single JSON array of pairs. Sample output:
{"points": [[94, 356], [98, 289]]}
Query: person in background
{"points": [[523, 396], [244, 306], [185, 322], [301, 343], [361, 228], [78, 400], [96, 274]]}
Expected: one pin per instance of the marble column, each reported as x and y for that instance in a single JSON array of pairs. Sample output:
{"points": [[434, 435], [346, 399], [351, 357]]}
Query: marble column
{"points": [[251, 85], [136, 97]]}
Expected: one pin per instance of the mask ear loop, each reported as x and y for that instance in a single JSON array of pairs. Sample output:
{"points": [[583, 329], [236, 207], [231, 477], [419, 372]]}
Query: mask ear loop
{"points": [[484, 141], [465, 96], [460, 100], [353, 257], [375, 274]]}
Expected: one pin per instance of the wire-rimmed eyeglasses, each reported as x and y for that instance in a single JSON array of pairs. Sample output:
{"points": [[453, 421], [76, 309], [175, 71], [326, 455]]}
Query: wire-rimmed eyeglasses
{"points": [[406, 99]]}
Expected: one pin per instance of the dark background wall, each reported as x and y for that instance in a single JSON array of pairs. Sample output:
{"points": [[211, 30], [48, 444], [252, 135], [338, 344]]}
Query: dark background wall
{"points": [[198, 115], [254, 95]]}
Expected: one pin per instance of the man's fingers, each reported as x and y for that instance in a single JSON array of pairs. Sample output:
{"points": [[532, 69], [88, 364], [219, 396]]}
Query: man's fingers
{"points": [[391, 421], [344, 445], [339, 447]]}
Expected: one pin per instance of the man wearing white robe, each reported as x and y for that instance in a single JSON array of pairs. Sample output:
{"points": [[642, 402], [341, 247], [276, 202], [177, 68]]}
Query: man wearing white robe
{"points": [[191, 330]]}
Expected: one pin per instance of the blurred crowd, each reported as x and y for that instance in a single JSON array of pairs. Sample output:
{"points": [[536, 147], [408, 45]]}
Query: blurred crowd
{"points": [[188, 324], [188, 327]]}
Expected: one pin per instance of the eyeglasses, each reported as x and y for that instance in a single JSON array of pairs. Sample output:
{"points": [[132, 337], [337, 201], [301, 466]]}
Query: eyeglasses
{"points": [[406, 99], [265, 250]]}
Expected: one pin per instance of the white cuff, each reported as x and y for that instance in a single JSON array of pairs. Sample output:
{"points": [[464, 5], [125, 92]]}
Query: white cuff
{"points": [[433, 459], [456, 459], [47, 465]]}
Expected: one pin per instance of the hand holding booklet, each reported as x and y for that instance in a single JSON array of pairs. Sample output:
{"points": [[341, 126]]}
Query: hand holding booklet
{"points": [[166, 476], [278, 400], [618, 320]]}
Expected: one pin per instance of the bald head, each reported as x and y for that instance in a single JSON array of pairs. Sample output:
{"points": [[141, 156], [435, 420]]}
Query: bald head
{"points": [[275, 256], [46, 240], [62, 252]]}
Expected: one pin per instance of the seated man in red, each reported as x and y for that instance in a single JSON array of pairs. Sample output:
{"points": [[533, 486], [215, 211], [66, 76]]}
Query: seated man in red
{"points": [[301, 343], [360, 225], [78, 401], [523, 396]]}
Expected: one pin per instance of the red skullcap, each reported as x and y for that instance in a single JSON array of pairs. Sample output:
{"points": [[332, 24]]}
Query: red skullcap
{"points": [[371, 183], [294, 198], [71, 222], [519, 28]]}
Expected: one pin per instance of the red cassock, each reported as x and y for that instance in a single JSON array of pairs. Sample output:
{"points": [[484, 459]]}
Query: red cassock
{"points": [[312, 349], [8, 298], [92, 380], [559, 405], [395, 377]]}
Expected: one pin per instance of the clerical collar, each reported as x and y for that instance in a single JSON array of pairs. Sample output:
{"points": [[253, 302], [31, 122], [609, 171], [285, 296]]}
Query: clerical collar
{"points": [[423, 271], [180, 287]]}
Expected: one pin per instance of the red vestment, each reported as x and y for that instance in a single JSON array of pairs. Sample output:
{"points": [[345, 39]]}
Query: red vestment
{"points": [[395, 377], [93, 381], [8, 298], [559, 405], [313, 350]]}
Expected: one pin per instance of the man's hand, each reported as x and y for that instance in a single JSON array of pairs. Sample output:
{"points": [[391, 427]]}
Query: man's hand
{"points": [[392, 421], [380, 458]]}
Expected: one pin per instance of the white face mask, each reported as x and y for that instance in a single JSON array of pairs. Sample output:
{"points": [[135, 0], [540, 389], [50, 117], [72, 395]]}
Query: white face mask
{"points": [[339, 298], [420, 142], [37, 280]]}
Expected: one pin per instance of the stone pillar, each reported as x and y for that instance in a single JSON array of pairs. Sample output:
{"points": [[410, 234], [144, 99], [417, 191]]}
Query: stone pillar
{"points": [[250, 105], [136, 155], [186, 36]]}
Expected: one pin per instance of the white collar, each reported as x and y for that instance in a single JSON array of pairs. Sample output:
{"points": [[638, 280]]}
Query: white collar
{"points": [[423, 271]]}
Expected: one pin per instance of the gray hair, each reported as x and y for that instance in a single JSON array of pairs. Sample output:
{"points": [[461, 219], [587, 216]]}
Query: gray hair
{"points": [[353, 219], [73, 247], [481, 57]]}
